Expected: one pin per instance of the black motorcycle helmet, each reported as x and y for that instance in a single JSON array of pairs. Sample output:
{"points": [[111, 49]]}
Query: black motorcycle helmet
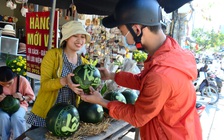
{"points": [[144, 12], [129, 12]]}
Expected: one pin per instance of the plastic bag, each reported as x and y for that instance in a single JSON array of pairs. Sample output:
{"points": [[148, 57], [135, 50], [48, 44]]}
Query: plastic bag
{"points": [[128, 65]]}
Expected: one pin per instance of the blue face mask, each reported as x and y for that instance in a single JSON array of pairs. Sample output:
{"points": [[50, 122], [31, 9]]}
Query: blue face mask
{"points": [[131, 47]]}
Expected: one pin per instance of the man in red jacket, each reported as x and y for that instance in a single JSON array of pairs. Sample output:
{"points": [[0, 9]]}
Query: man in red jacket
{"points": [[165, 108]]}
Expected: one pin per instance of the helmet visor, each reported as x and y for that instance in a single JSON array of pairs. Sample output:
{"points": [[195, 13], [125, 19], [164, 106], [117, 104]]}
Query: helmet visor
{"points": [[110, 22]]}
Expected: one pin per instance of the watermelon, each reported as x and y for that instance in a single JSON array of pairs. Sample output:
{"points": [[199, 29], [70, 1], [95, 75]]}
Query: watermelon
{"points": [[130, 96], [111, 96], [62, 120], [10, 104], [86, 75], [90, 113]]}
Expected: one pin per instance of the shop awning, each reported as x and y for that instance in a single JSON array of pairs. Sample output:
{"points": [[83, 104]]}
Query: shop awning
{"points": [[97, 7], [103, 7]]}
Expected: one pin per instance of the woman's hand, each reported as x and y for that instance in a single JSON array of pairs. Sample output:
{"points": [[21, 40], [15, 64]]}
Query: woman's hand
{"points": [[2, 96], [18, 95], [94, 97], [72, 86], [106, 74]]}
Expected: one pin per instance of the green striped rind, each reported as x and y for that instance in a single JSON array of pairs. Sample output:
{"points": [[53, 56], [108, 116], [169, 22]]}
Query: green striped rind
{"points": [[111, 96], [10, 104], [130, 96], [90, 113], [59, 119], [87, 75], [62, 120]]}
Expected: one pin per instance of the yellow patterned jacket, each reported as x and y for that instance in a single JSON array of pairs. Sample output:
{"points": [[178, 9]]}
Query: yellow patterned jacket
{"points": [[51, 69]]}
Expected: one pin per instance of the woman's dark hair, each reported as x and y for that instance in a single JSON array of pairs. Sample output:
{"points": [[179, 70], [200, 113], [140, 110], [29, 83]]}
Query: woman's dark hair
{"points": [[6, 74], [63, 44]]}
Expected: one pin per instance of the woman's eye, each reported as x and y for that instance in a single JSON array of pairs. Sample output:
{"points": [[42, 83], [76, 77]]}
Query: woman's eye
{"points": [[83, 36]]}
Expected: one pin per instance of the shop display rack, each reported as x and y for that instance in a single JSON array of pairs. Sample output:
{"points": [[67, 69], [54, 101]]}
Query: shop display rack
{"points": [[3, 23]]}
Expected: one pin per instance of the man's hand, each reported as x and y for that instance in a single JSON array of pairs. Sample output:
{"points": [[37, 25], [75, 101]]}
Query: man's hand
{"points": [[106, 74], [94, 97]]}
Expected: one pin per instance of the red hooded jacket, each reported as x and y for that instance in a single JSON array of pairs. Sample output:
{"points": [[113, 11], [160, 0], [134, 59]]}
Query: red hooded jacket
{"points": [[165, 108]]}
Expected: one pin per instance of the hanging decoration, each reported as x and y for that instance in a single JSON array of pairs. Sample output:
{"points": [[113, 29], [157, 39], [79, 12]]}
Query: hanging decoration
{"points": [[24, 9], [31, 7], [71, 11], [45, 9], [10, 4]]}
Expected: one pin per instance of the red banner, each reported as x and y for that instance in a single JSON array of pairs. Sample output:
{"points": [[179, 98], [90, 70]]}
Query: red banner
{"points": [[37, 38]]}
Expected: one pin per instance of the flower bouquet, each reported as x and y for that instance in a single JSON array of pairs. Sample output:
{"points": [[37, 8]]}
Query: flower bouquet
{"points": [[18, 65]]}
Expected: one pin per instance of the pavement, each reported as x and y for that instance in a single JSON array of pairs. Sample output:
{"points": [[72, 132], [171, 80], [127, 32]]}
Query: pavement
{"points": [[211, 119]]}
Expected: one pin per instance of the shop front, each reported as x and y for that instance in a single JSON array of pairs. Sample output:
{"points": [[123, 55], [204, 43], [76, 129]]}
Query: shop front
{"points": [[106, 46]]}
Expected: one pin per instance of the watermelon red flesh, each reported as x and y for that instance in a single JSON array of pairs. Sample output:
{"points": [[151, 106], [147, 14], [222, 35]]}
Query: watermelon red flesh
{"points": [[130, 96], [10, 104], [90, 113], [86, 75], [62, 120]]}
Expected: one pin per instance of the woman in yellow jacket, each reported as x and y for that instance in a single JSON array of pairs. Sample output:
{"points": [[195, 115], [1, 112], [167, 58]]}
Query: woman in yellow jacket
{"points": [[56, 72]]}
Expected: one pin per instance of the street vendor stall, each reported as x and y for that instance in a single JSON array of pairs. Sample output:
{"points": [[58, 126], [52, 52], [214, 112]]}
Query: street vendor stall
{"points": [[115, 130]]}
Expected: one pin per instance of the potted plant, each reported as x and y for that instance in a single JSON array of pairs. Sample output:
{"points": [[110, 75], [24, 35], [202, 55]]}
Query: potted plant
{"points": [[139, 56], [18, 65]]}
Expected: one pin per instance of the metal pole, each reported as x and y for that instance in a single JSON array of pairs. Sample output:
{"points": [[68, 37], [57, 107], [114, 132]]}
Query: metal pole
{"points": [[51, 23], [32, 80], [36, 8]]}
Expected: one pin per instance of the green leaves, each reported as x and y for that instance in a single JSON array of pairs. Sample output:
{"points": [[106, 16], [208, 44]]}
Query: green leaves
{"points": [[139, 56], [208, 39], [104, 89]]}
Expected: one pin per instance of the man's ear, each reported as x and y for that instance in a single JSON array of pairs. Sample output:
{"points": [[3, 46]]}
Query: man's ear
{"points": [[137, 29]]}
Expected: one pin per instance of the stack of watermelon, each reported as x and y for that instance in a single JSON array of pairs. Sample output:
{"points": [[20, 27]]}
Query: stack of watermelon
{"points": [[63, 119], [88, 75], [127, 97]]}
